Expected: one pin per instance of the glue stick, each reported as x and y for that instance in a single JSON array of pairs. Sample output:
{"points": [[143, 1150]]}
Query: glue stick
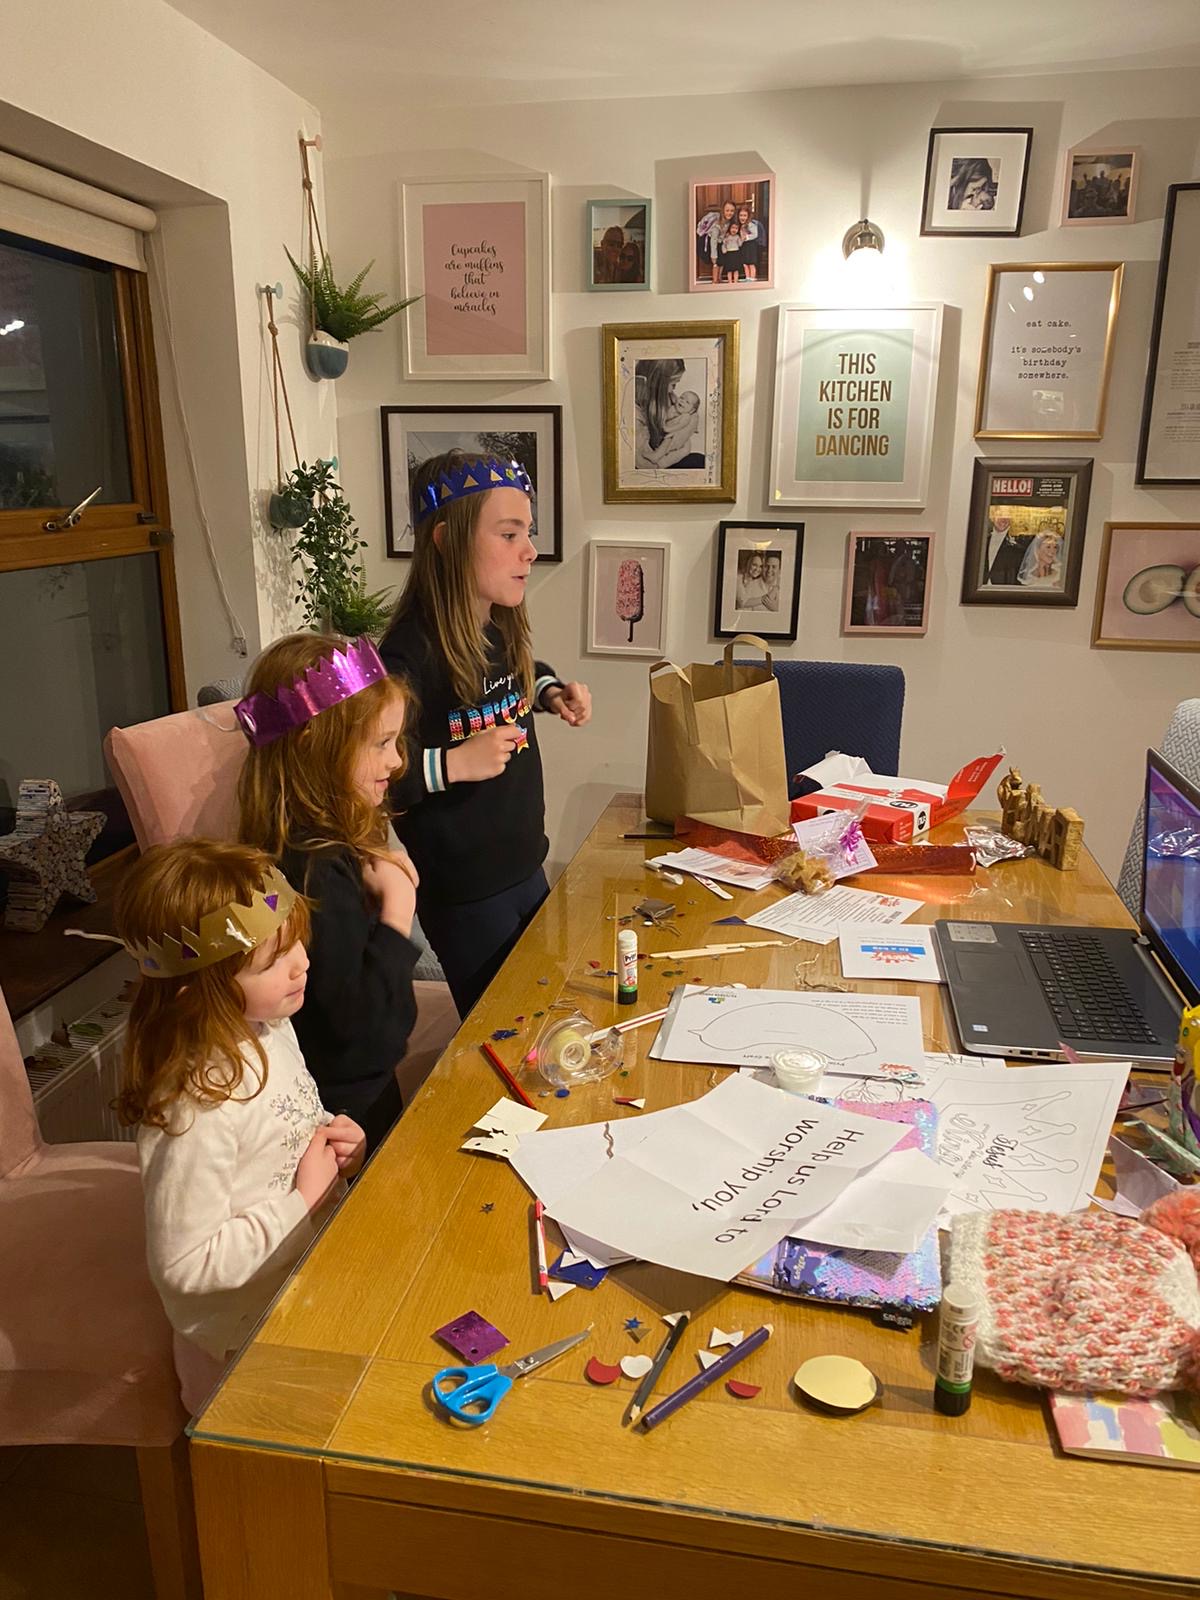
{"points": [[956, 1350], [627, 973]]}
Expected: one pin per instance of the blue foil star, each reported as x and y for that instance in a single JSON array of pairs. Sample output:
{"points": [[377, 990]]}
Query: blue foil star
{"points": [[632, 1324]]}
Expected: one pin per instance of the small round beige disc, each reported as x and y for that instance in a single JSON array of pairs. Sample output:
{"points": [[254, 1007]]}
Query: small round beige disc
{"points": [[837, 1382]]}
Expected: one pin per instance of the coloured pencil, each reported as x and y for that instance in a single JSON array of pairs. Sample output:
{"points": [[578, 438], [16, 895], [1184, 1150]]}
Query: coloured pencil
{"points": [[646, 1388], [694, 1386], [539, 1235], [512, 1083]]}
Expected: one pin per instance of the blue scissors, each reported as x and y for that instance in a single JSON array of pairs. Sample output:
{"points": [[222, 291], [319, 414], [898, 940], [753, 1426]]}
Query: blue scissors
{"points": [[472, 1393]]}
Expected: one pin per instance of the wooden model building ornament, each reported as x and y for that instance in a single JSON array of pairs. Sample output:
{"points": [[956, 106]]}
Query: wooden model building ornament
{"points": [[1056, 836]]}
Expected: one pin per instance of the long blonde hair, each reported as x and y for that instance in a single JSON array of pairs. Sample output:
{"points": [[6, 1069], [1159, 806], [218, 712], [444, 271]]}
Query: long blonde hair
{"points": [[441, 583], [186, 1036], [298, 792]]}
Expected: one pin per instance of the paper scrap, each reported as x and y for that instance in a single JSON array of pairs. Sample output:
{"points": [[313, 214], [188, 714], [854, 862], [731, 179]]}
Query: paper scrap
{"points": [[1137, 1180], [636, 1366], [556, 1290], [500, 1129], [623, 1100], [892, 1207], [818, 917], [472, 1337], [907, 954], [578, 1270], [672, 1317], [707, 864], [600, 1372], [706, 1358], [742, 1391], [719, 1338]]}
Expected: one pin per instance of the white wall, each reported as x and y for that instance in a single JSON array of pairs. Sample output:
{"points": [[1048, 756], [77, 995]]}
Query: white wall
{"points": [[132, 96], [1075, 719]]}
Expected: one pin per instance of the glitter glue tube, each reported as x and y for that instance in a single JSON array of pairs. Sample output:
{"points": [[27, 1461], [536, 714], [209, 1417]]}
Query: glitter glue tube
{"points": [[956, 1350], [627, 973]]}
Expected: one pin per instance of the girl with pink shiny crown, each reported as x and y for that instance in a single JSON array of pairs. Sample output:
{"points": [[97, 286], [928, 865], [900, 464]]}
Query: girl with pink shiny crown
{"points": [[471, 805]]}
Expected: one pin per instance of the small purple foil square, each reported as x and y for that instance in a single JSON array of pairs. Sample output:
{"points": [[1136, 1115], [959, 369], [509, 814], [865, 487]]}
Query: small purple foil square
{"points": [[470, 1337]]}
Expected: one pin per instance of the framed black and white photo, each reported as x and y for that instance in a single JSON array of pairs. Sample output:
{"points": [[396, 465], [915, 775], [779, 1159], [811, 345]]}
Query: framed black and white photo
{"points": [[1099, 186], [733, 222], [670, 411], [531, 435], [1169, 442], [758, 579], [975, 181], [627, 597], [1025, 537], [1048, 335], [618, 245], [887, 584]]}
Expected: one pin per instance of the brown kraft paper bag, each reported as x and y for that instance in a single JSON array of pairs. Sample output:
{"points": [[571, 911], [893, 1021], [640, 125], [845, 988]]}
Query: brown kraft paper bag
{"points": [[715, 746]]}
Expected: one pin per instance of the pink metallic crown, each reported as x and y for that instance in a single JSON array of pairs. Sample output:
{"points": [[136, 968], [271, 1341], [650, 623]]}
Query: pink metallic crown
{"points": [[267, 717], [473, 477]]}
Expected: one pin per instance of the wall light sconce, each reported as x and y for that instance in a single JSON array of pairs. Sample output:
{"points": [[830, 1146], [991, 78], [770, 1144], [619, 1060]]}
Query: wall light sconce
{"points": [[864, 235]]}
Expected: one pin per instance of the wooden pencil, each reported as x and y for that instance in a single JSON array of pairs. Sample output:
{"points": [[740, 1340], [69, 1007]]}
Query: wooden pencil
{"points": [[646, 1388], [512, 1083], [694, 1386]]}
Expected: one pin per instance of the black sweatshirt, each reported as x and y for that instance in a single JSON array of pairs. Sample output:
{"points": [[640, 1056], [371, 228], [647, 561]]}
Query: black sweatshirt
{"points": [[358, 1006], [469, 840]]}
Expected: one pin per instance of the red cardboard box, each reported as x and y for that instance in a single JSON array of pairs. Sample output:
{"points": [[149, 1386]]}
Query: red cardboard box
{"points": [[900, 808]]}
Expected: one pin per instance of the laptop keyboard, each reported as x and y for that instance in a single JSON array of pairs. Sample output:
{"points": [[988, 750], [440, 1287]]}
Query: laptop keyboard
{"points": [[1083, 987]]}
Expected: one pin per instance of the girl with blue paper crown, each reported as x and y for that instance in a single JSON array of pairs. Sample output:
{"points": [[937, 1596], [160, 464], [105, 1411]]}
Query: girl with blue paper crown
{"points": [[472, 803]]}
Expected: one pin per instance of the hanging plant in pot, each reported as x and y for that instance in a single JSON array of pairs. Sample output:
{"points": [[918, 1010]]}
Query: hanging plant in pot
{"points": [[338, 314], [332, 585]]}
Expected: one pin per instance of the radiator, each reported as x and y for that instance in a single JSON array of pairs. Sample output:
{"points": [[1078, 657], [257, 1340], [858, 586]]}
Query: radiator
{"points": [[74, 1084]]}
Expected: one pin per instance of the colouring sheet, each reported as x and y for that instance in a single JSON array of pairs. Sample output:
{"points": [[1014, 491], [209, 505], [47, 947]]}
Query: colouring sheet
{"points": [[725, 1027]]}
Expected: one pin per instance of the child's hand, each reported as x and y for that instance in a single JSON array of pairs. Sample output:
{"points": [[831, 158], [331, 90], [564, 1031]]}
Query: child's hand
{"points": [[405, 862], [483, 755], [393, 887], [347, 1141], [317, 1169], [572, 702]]}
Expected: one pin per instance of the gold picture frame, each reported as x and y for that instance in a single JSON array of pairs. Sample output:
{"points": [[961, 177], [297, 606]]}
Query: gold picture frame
{"points": [[1150, 551], [670, 412], [1046, 355]]}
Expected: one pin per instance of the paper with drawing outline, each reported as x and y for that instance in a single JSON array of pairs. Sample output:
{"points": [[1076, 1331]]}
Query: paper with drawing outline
{"points": [[818, 917], [725, 1178], [907, 954], [727, 1027]]}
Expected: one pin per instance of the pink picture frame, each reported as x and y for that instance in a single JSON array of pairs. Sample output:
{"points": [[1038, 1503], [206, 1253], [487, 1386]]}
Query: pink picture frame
{"points": [[732, 225], [1099, 186], [889, 578]]}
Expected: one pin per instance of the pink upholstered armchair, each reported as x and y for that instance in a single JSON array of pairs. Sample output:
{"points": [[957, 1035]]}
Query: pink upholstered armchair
{"points": [[85, 1350]]}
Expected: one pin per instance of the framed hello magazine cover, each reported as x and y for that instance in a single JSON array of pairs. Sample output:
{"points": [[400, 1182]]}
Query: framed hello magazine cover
{"points": [[758, 579], [1025, 535]]}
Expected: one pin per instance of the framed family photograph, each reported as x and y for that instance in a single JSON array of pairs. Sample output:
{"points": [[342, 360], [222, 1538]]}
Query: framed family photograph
{"points": [[531, 435], [670, 411], [854, 403], [733, 219], [1026, 531], [887, 584], [975, 181], [476, 253], [1047, 350], [627, 597], [758, 579], [1099, 186], [1169, 442], [1148, 596], [618, 244]]}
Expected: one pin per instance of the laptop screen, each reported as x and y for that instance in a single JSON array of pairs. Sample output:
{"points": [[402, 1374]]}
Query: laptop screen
{"points": [[1171, 881]]}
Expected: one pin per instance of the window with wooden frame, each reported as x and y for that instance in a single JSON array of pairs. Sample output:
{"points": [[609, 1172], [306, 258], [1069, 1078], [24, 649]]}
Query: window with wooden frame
{"points": [[89, 619]]}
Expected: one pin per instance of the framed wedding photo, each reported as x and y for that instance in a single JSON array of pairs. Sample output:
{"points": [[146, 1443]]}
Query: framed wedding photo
{"points": [[854, 403], [531, 435], [887, 584], [618, 244], [670, 411], [1169, 442], [758, 579], [732, 224], [1026, 531], [1047, 350], [1099, 187], [627, 597], [1148, 595], [975, 181], [476, 252]]}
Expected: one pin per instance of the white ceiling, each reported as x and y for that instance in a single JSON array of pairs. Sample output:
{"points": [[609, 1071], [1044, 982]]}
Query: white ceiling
{"points": [[442, 52]]}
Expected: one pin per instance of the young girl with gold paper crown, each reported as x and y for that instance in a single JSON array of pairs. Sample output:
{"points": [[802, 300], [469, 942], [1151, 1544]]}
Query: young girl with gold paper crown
{"points": [[471, 802], [240, 1161], [323, 719]]}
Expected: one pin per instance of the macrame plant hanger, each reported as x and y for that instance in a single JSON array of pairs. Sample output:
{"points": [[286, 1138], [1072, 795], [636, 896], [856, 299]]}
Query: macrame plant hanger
{"points": [[315, 261], [281, 513]]}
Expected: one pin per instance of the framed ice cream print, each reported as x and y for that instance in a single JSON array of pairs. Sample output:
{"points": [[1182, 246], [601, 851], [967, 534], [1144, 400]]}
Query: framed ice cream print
{"points": [[627, 597], [476, 254]]}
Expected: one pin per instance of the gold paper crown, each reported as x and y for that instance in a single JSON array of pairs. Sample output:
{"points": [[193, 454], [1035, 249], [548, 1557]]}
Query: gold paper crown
{"points": [[232, 930]]}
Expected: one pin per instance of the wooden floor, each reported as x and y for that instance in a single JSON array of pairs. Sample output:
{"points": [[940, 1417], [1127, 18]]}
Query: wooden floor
{"points": [[71, 1525]]}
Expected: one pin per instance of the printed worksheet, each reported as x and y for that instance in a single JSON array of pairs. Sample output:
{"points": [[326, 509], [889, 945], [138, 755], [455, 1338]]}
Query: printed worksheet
{"points": [[819, 917]]}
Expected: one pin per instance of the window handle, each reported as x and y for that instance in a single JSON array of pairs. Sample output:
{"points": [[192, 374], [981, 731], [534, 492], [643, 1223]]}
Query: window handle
{"points": [[72, 517]]}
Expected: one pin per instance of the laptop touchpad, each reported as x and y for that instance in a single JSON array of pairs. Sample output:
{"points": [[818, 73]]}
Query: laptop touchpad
{"points": [[995, 967]]}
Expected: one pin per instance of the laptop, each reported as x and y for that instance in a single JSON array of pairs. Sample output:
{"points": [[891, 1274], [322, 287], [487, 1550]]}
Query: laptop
{"points": [[1027, 990]]}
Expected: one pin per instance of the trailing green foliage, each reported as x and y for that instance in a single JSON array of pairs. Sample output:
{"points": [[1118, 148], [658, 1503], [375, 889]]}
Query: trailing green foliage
{"points": [[333, 587], [343, 313]]}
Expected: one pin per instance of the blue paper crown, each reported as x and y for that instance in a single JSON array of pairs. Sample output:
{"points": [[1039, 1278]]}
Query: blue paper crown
{"points": [[473, 477]]}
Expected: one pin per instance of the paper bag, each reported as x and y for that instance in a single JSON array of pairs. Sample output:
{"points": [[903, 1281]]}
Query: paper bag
{"points": [[715, 747]]}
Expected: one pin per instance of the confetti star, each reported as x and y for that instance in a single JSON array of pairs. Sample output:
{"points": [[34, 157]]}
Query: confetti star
{"points": [[632, 1324], [488, 1208]]}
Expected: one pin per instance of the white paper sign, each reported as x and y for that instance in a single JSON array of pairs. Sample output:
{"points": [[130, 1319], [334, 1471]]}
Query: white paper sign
{"points": [[876, 954], [725, 1179]]}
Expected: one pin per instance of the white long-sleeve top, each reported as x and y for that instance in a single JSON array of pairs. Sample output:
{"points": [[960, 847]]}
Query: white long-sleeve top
{"points": [[225, 1224]]}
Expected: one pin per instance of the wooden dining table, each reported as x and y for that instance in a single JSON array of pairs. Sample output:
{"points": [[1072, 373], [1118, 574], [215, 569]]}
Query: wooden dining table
{"points": [[322, 1468]]}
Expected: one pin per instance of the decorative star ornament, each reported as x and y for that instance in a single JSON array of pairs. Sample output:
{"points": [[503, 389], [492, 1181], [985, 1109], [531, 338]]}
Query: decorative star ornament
{"points": [[43, 857]]}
